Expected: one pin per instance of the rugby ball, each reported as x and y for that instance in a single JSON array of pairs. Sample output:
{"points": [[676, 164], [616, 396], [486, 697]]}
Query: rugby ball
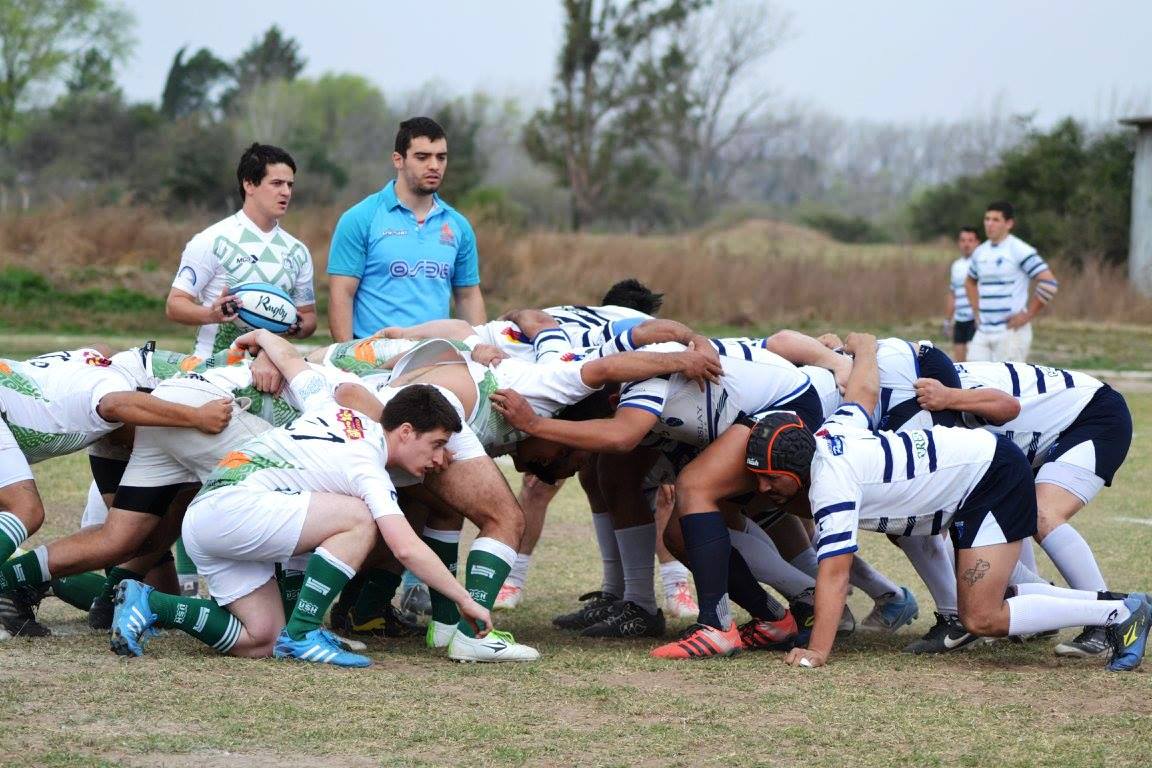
{"points": [[264, 306]]}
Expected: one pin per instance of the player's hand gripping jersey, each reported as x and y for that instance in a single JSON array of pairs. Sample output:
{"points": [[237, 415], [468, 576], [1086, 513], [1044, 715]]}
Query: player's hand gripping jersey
{"points": [[754, 380], [1050, 400], [49, 402]]}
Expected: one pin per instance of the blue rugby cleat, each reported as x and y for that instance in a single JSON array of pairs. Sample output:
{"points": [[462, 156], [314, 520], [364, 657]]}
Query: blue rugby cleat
{"points": [[892, 612], [132, 619], [319, 646], [1129, 637]]}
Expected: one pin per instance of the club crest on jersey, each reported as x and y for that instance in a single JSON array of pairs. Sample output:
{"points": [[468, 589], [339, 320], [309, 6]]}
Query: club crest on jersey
{"points": [[447, 236], [95, 358], [514, 334], [835, 443], [353, 427]]}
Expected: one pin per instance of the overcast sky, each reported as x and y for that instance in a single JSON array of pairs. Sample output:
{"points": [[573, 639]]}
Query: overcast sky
{"points": [[894, 60]]}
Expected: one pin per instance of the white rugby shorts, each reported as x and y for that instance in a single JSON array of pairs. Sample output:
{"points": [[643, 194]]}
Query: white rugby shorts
{"points": [[236, 535]]}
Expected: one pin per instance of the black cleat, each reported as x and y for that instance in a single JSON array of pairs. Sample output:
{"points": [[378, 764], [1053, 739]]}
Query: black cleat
{"points": [[596, 608], [391, 624], [1092, 643], [100, 613], [18, 612], [946, 635], [627, 619]]}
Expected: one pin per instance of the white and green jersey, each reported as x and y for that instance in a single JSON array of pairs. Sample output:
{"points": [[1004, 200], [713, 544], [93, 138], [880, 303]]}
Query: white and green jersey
{"points": [[548, 387], [236, 251], [330, 449], [276, 409], [49, 402], [368, 357]]}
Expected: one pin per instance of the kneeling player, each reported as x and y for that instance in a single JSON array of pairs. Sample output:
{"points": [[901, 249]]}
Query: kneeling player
{"points": [[316, 484], [919, 482]]}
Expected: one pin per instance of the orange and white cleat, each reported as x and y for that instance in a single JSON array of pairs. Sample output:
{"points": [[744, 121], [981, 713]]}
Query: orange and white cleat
{"points": [[508, 597], [680, 604], [701, 641], [764, 635]]}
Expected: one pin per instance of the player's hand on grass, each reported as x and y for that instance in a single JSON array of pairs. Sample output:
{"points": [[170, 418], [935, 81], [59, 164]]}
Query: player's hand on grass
{"points": [[805, 657], [225, 307], [932, 395], [213, 417], [700, 367], [478, 616], [514, 408], [488, 354], [266, 377]]}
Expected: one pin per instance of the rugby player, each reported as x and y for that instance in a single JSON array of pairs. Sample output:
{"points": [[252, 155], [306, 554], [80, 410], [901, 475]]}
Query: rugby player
{"points": [[1074, 430], [679, 412], [975, 484], [53, 405], [318, 485]]}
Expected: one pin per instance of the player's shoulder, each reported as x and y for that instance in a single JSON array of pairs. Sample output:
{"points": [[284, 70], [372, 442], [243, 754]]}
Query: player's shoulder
{"points": [[228, 226], [1018, 247], [363, 212]]}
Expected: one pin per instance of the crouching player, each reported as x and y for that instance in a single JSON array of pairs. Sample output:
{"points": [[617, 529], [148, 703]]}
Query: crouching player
{"points": [[918, 483], [318, 485]]}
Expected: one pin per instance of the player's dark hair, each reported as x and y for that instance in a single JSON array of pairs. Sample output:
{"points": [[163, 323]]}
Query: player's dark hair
{"points": [[253, 166], [1004, 207], [597, 405], [413, 127], [973, 230], [424, 407], [635, 295]]}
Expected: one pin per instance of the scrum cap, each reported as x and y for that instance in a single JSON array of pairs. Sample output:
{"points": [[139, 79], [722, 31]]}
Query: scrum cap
{"points": [[781, 444]]}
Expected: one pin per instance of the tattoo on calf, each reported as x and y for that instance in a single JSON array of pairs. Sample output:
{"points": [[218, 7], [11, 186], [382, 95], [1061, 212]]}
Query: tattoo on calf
{"points": [[977, 572]]}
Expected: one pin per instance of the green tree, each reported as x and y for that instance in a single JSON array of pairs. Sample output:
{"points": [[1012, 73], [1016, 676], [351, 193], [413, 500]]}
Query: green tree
{"points": [[1072, 193], [92, 73], [581, 137], [268, 59], [38, 40], [191, 85], [333, 126]]}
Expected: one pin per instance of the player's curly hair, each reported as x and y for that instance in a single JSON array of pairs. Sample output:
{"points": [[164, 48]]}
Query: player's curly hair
{"points": [[781, 444], [635, 295]]}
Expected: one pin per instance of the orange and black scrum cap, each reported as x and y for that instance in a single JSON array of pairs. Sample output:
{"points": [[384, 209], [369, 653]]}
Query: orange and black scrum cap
{"points": [[780, 444]]}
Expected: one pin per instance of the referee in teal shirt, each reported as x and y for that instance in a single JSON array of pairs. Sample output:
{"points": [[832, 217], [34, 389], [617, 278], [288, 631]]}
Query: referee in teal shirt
{"points": [[399, 256]]}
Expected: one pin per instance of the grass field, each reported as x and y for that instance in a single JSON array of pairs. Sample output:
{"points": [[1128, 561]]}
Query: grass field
{"points": [[67, 701]]}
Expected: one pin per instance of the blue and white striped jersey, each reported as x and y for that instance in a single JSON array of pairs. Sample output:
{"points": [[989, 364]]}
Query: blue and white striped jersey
{"points": [[592, 326], [1050, 400], [957, 279], [580, 328], [904, 484], [1002, 272], [754, 380]]}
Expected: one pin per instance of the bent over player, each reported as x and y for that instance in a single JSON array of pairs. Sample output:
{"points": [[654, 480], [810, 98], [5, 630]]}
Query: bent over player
{"points": [[317, 485], [917, 483]]}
